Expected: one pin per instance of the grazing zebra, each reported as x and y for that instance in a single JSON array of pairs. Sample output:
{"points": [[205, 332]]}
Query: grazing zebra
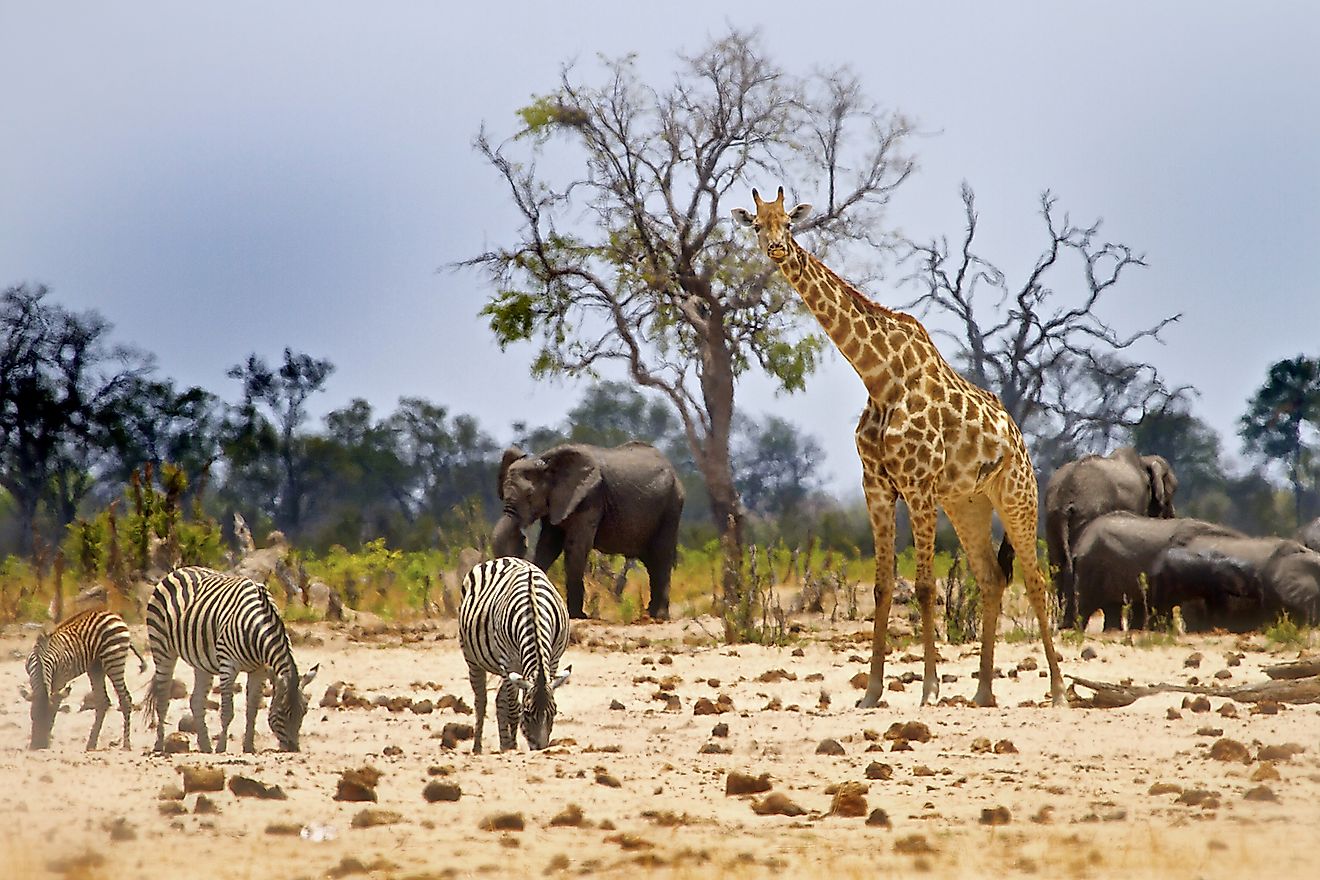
{"points": [[223, 624], [93, 642], [514, 624]]}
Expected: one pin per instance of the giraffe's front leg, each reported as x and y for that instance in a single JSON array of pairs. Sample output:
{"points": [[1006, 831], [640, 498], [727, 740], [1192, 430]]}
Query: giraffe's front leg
{"points": [[921, 508], [880, 499]]}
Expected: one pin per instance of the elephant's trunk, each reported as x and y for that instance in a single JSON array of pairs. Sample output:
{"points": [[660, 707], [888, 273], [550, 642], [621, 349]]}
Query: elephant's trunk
{"points": [[507, 538]]}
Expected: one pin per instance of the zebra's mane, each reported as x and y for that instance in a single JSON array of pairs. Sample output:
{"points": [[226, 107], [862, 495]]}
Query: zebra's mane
{"points": [[540, 680]]}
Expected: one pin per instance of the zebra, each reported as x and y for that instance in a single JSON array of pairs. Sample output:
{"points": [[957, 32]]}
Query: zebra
{"points": [[223, 624], [514, 624], [93, 642]]}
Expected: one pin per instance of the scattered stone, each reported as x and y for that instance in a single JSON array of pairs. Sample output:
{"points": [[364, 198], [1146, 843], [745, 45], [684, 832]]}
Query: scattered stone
{"points": [[1230, 750], [202, 779], [1199, 797], [330, 699], [876, 770], [81, 865], [798, 652], [178, 743], [244, 786], [829, 747], [1200, 704], [1027, 664], [1005, 747], [1283, 752], [1209, 731], [284, 829], [187, 724], [371, 817], [995, 816], [1165, 788], [913, 845], [1265, 707], [569, 817], [605, 779], [358, 785], [859, 681], [616, 706], [1043, 816], [1261, 793], [777, 804], [453, 733], [178, 690], [912, 731], [205, 805], [630, 841], [1173, 714], [1223, 674], [720, 730], [1265, 772], [774, 675], [901, 745], [673, 703], [1228, 710], [423, 707], [1193, 660], [894, 685], [170, 792], [878, 819], [121, 830], [1089, 653], [714, 748], [392, 752], [172, 808], [922, 770], [744, 783], [503, 822], [436, 791], [981, 745], [849, 800], [666, 660], [704, 706]]}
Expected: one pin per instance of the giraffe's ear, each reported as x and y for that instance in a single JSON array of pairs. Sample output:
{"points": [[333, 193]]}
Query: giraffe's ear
{"points": [[799, 212], [743, 217]]}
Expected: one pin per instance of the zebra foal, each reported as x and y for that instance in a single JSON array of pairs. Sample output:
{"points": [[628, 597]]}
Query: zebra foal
{"points": [[223, 624], [513, 623], [93, 642]]}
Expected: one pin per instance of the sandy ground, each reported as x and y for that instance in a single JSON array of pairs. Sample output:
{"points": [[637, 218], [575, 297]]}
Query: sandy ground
{"points": [[1075, 788]]}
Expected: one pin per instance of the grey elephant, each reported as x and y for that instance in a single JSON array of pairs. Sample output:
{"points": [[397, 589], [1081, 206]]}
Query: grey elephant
{"points": [[626, 500], [1237, 583], [1309, 535], [1114, 551], [1090, 487]]}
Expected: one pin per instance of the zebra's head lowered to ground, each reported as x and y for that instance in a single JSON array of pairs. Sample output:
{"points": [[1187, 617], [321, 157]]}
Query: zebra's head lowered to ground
{"points": [[538, 710], [288, 705], [45, 704]]}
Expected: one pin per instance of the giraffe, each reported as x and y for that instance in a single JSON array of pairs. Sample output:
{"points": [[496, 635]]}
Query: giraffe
{"points": [[929, 436]]}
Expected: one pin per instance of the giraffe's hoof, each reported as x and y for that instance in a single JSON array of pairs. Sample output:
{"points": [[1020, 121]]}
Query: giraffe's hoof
{"points": [[985, 701]]}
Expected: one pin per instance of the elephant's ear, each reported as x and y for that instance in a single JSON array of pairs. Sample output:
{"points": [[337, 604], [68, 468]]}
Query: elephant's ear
{"points": [[512, 454], [574, 476], [1163, 485]]}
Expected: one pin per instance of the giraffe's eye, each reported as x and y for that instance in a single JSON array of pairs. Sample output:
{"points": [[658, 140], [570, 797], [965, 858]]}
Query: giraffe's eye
{"points": [[757, 226]]}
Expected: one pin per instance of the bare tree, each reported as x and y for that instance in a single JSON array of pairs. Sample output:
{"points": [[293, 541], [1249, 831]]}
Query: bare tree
{"points": [[1059, 368], [628, 261]]}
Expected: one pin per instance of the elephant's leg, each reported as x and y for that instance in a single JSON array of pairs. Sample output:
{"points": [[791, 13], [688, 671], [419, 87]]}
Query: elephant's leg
{"points": [[255, 684], [477, 678], [659, 561], [970, 518], [201, 688], [1113, 611], [100, 701], [576, 548], [162, 678]]}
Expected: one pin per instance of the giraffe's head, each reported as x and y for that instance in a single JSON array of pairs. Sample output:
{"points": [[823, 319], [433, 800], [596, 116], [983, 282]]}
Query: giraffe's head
{"points": [[772, 223]]}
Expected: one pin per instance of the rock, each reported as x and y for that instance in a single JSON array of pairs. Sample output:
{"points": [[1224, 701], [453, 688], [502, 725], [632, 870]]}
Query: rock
{"points": [[776, 804], [187, 724], [503, 822], [876, 770], [605, 779], [1265, 707], [1173, 714], [720, 730], [849, 800], [1283, 752], [1209, 731], [170, 792], [1265, 772], [616, 706], [243, 786], [922, 770], [901, 745], [714, 748], [569, 817], [1261, 793], [859, 681], [1200, 704], [1199, 797], [436, 791], [704, 706], [878, 819], [205, 805], [202, 779], [121, 830], [774, 675], [284, 829], [829, 747], [423, 707], [743, 783], [358, 785], [981, 745], [330, 699], [178, 690], [913, 845], [995, 816], [178, 743], [1164, 788], [1222, 675], [172, 808], [1230, 750], [1089, 653], [1027, 664], [372, 817], [399, 704], [1193, 660], [453, 733], [1005, 747], [912, 731]]}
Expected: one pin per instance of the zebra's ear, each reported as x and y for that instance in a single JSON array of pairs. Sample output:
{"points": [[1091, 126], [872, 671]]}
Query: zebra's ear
{"points": [[519, 681], [561, 679], [309, 676]]}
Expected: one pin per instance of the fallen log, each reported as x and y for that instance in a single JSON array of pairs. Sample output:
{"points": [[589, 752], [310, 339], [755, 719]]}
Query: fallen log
{"points": [[1295, 669], [1298, 691]]}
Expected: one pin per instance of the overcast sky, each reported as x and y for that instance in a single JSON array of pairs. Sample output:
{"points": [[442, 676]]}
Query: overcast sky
{"points": [[220, 179]]}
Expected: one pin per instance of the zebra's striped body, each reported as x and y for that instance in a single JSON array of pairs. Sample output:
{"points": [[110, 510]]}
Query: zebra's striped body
{"points": [[223, 624], [514, 624], [95, 643]]}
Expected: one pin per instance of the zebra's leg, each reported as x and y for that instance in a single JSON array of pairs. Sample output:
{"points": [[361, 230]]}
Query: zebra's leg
{"points": [[255, 682], [201, 689], [125, 701], [508, 712], [100, 700], [160, 688], [228, 675], [477, 676]]}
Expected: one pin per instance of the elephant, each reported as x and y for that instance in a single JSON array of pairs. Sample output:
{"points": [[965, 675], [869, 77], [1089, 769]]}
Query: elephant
{"points": [[625, 500], [1309, 535], [1238, 584], [1115, 550], [1092, 486]]}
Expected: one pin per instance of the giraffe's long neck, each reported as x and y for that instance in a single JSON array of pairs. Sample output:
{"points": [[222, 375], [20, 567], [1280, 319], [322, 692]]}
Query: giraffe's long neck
{"points": [[884, 347]]}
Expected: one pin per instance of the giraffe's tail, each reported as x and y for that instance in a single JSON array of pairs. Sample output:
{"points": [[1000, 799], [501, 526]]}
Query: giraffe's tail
{"points": [[1005, 558]]}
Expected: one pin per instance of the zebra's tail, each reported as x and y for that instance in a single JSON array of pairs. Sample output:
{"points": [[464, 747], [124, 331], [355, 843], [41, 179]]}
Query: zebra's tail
{"points": [[147, 708], [142, 662]]}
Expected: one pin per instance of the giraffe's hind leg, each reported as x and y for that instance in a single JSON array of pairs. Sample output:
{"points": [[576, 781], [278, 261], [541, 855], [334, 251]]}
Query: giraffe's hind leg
{"points": [[921, 508], [970, 518], [880, 501]]}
